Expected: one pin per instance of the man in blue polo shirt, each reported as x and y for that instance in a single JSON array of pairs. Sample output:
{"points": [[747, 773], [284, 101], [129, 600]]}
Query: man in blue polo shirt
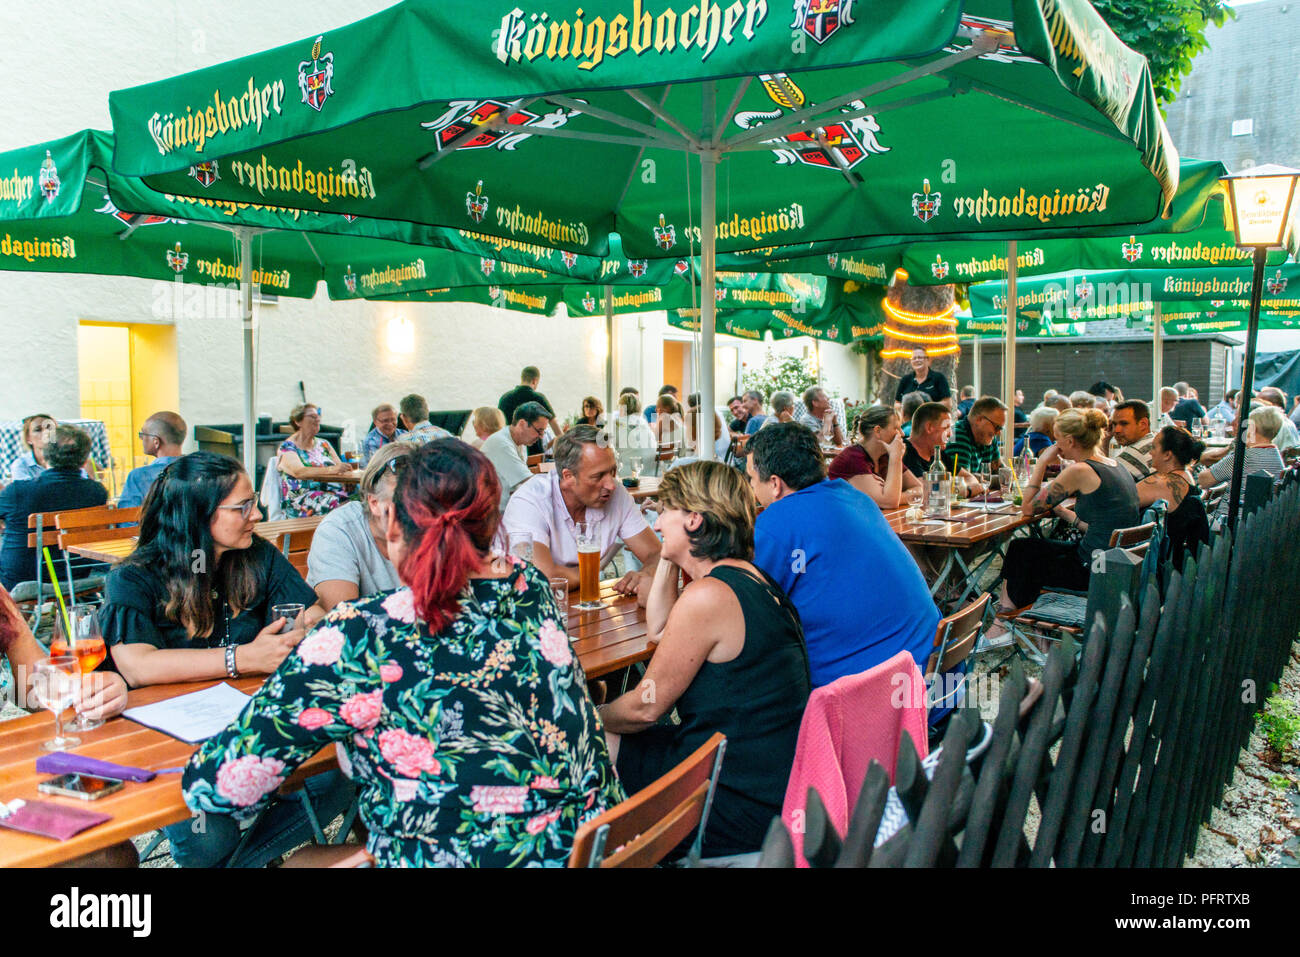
{"points": [[827, 544], [161, 436]]}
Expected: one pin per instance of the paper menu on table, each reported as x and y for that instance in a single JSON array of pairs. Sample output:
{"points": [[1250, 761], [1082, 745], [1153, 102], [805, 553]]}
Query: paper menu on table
{"points": [[192, 717]]}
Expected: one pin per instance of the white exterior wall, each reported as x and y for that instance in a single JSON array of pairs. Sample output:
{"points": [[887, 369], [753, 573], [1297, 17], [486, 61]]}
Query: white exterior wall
{"points": [[57, 74]]}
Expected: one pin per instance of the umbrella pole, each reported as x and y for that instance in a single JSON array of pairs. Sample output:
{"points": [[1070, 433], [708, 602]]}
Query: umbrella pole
{"points": [[1009, 355], [246, 310], [708, 298], [1247, 382], [609, 353], [1157, 355], [976, 378]]}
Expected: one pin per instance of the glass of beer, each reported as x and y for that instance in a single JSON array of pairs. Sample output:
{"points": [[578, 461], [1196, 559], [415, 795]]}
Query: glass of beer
{"points": [[85, 643], [588, 534]]}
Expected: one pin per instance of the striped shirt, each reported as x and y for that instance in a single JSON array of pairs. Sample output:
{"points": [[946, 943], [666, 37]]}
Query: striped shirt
{"points": [[970, 454], [1267, 459], [1137, 457]]}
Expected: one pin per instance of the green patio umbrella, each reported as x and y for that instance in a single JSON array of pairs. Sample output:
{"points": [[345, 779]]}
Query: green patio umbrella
{"points": [[560, 126], [63, 209]]}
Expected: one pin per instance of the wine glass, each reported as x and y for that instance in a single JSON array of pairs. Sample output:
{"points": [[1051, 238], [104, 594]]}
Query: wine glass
{"points": [[55, 683], [1196, 428], [86, 645]]}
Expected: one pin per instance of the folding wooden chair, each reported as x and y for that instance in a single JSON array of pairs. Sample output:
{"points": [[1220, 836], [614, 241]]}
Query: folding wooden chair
{"points": [[296, 546], [954, 640], [1057, 612], [645, 828], [534, 463]]}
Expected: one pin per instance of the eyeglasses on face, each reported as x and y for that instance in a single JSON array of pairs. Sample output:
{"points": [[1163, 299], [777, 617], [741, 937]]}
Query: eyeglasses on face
{"points": [[147, 435], [245, 508]]}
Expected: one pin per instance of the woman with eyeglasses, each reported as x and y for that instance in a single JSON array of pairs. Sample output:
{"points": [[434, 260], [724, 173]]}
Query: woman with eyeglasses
{"points": [[193, 602], [456, 700], [38, 431], [306, 463]]}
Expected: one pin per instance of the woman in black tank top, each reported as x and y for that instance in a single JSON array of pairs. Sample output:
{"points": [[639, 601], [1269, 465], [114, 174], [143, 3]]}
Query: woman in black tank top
{"points": [[1105, 499], [1186, 524], [731, 659]]}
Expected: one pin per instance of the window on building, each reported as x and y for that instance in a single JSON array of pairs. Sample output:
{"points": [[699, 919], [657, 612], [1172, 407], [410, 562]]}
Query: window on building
{"points": [[1243, 127]]}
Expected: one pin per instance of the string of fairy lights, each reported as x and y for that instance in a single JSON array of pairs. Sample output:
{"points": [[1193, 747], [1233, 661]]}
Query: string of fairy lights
{"points": [[943, 344]]}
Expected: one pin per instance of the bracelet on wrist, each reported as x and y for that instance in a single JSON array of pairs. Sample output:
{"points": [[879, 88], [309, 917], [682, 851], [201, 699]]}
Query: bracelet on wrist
{"points": [[231, 670]]}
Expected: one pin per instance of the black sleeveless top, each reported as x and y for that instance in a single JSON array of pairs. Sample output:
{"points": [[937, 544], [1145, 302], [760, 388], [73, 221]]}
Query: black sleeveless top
{"points": [[1186, 526], [1113, 505], [757, 700]]}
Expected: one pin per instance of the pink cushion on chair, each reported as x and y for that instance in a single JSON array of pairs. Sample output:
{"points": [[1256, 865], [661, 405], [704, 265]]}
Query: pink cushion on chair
{"points": [[846, 725]]}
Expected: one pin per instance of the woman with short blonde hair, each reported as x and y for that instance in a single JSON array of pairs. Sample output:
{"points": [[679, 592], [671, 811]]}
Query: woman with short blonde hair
{"points": [[486, 419], [732, 627]]}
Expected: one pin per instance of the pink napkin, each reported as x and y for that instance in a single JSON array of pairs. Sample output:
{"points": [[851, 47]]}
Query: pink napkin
{"points": [[49, 819]]}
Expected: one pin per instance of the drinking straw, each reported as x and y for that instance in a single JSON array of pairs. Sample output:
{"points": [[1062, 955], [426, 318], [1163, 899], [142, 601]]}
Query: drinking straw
{"points": [[955, 457], [58, 593]]}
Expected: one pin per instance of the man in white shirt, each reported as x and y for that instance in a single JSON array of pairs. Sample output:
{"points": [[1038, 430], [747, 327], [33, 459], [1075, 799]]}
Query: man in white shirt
{"points": [[1168, 398], [507, 449], [349, 551], [582, 488], [817, 405]]}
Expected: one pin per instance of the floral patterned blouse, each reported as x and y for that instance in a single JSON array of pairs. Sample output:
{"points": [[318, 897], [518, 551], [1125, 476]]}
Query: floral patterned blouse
{"points": [[304, 497], [477, 746]]}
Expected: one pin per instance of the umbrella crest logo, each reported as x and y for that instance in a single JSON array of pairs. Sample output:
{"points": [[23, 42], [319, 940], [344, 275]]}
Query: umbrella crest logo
{"points": [[680, 267], [834, 333], [497, 124], [822, 18], [1074, 312], [177, 260], [1276, 284], [49, 178], [720, 293], [1216, 303], [476, 204], [350, 280], [589, 302], [487, 265], [832, 259], [926, 204], [570, 258], [350, 217], [1131, 250], [835, 146], [133, 219], [665, 235], [939, 268], [637, 267], [206, 173], [1083, 290], [316, 86]]}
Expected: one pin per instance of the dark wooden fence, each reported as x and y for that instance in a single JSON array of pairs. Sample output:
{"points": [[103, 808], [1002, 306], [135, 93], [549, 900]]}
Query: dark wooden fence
{"points": [[1147, 724]]}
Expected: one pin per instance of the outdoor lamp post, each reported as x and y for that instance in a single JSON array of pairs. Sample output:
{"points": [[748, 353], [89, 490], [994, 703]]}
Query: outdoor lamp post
{"points": [[1260, 198]]}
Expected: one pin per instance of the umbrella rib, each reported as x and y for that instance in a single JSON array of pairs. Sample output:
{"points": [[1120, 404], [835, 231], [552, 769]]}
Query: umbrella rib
{"points": [[797, 119], [609, 138], [611, 117], [636, 164], [474, 131], [306, 237], [667, 117], [731, 110], [1103, 129]]}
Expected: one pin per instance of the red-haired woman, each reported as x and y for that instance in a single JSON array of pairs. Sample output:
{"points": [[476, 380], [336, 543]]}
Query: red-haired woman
{"points": [[459, 707]]}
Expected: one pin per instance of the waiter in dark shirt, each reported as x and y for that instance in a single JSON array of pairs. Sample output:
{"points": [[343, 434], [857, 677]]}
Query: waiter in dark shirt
{"points": [[526, 391], [924, 379]]}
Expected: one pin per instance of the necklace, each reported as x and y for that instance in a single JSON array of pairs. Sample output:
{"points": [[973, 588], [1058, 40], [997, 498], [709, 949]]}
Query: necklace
{"points": [[225, 607]]}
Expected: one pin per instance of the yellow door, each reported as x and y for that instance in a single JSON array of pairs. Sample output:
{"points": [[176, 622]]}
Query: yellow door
{"points": [[127, 373]]}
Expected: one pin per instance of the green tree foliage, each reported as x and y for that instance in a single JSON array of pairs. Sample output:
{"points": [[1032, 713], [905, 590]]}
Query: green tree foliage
{"points": [[792, 373], [1169, 33]]}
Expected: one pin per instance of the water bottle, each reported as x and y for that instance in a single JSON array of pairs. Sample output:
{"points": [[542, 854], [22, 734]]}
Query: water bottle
{"points": [[938, 490]]}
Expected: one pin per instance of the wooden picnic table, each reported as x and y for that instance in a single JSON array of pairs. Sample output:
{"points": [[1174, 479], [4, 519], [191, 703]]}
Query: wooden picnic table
{"points": [[957, 553], [605, 640], [139, 807], [610, 638], [117, 549]]}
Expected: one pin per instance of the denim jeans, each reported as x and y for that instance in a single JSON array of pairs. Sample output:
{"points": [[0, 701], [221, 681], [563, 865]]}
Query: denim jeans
{"points": [[208, 840]]}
